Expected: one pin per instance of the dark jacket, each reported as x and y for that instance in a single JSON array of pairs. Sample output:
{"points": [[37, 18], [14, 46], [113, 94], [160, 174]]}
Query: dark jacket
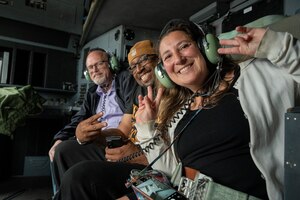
{"points": [[125, 86]]}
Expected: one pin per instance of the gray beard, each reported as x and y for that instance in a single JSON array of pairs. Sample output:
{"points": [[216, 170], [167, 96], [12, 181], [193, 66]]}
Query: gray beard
{"points": [[100, 81]]}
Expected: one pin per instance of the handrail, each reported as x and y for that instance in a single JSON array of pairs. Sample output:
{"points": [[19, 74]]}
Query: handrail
{"points": [[94, 9]]}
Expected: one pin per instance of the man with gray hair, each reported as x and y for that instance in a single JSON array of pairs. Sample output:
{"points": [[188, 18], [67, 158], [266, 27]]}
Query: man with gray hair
{"points": [[104, 105]]}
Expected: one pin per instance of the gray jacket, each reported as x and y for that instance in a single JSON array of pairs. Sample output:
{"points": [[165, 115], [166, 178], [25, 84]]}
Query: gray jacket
{"points": [[267, 88]]}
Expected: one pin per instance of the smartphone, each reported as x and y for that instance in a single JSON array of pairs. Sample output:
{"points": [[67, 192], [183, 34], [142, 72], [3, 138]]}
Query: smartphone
{"points": [[114, 141]]}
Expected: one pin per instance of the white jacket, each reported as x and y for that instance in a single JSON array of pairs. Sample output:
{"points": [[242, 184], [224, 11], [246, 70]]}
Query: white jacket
{"points": [[268, 86]]}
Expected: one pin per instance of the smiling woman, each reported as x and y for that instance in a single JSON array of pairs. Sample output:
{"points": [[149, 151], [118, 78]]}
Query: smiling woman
{"points": [[215, 129], [181, 60]]}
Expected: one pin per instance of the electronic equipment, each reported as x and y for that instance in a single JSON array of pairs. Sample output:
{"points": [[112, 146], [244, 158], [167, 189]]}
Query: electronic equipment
{"points": [[208, 45], [154, 189], [87, 75], [194, 189], [113, 63], [114, 141], [291, 154], [163, 76], [154, 185]]}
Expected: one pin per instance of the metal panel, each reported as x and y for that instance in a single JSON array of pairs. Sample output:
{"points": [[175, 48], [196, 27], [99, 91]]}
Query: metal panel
{"points": [[60, 15], [292, 154]]}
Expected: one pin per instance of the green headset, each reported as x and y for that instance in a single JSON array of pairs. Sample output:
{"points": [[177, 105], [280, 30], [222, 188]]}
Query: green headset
{"points": [[208, 45], [113, 62]]}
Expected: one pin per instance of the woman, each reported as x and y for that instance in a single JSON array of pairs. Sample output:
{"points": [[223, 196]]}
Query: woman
{"points": [[216, 110]]}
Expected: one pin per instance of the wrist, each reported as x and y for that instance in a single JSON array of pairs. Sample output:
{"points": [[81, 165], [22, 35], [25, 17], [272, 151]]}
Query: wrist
{"points": [[80, 142]]}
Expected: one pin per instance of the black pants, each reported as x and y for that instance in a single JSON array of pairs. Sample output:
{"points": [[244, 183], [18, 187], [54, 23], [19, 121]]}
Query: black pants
{"points": [[94, 180], [69, 153]]}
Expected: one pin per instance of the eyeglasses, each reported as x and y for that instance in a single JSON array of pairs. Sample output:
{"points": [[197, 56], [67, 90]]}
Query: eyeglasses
{"points": [[142, 61], [100, 64]]}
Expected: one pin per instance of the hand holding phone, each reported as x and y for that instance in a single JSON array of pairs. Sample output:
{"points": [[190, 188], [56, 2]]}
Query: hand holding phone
{"points": [[114, 141]]}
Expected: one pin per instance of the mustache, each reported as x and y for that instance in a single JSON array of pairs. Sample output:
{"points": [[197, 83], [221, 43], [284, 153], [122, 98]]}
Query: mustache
{"points": [[143, 72]]}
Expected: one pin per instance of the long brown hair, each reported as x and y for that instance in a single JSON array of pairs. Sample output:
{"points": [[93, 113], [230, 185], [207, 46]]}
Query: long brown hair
{"points": [[174, 99]]}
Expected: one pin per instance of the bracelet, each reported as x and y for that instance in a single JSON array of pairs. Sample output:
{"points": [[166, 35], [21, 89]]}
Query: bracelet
{"points": [[81, 143]]}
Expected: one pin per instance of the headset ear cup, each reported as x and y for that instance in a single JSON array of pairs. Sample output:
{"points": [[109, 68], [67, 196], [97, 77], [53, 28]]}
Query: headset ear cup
{"points": [[87, 75], [163, 77], [210, 47], [114, 64]]}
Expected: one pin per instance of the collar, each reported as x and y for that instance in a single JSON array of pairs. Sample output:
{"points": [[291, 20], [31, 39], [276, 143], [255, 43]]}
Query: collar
{"points": [[246, 63], [100, 91]]}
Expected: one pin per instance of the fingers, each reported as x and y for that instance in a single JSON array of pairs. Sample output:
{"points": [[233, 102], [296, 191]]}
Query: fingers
{"points": [[150, 96], [147, 106], [236, 45], [158, 96], [94, 119], [51, 154], [90, 128], [97, 126], [115, 154], [150, 92], [141, 102], [147, 103], [241, 37], [228, 50], [93, 124], [52, 150], [242, 29], [229, 42], [91, 132]]}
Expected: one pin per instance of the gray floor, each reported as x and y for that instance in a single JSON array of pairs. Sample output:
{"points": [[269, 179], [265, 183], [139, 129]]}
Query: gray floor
{"points": [[26, 188]]}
